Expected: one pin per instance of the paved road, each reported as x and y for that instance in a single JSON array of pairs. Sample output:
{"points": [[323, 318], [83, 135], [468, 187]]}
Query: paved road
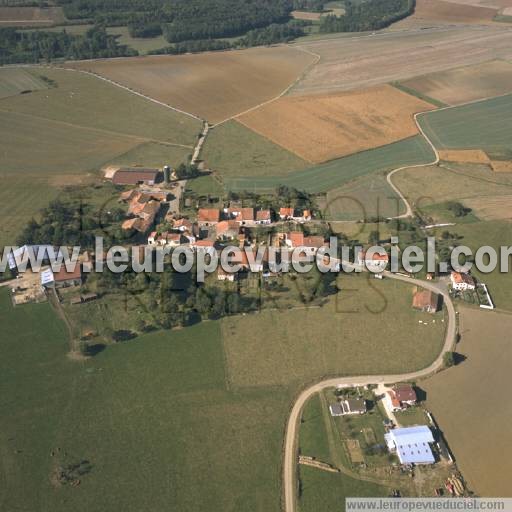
{"points": [[292, 427]]}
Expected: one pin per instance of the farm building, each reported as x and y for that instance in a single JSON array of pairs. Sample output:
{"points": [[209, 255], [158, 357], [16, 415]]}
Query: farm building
{"points": [[400, 397], [426, 301], [411, 444], [241, 215], [461, 281], [135, 176], [61, 278], [295, 239]]}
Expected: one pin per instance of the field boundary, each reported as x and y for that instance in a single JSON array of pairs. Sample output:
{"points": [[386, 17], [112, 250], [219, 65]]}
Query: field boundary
{"points": [[283, 93]]}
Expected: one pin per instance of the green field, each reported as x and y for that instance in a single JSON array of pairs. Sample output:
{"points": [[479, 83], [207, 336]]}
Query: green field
{"points": [[233, 150], [363, 198], [168, 421], [13, 81], [142, 44], [336, 173], [484, 125], [63, 135]]}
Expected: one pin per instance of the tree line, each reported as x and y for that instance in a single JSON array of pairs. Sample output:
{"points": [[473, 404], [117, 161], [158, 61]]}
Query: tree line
{"points": [[368, 15], [27, 47]]}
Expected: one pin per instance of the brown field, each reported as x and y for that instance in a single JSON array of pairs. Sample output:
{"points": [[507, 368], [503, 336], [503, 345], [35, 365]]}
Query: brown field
{"points": [[471, 402], [469, 83], [501, 166], [440, 12], [495, 4], [491, 208], [17, 16], [469, 156], [302, 15], [213, 86], [362, 61], [320, 128], [507, 11]]}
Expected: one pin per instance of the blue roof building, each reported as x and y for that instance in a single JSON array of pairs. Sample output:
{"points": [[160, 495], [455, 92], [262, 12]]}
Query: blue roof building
{"points": [[411, 444]]}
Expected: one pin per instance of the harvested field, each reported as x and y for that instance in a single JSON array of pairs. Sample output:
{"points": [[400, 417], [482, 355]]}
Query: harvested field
{"points": [[428, 12], [14, 81], [452, 396], [491, 208], [469, 83], [213, 86], [320, 128], [19, 16], [470, 156], [337, 173], [304, 15], [507, 11], [501, 166], [359, 62]]}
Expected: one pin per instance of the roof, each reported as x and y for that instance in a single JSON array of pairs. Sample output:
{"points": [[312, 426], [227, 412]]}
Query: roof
{"points": [[376, 256], [425, 299], [67, 275], [459, 278], [336, 409], [134, 175], [227, 225], [242, 214], [204, 243], [412, 444], [296, 238], [263, 215], [356, 404], [405, 393], [208, 215], [286, 212], [314, 241]]}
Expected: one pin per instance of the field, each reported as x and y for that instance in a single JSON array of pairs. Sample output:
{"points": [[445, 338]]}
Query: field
{"points": [[484, 125], [213, 86], [356, 62], [337, 173], [28, 16], [469, 413], [232, 150], [363, 198], [320, 128], [14, 81], [428, 12], [461, 85], [141, 44], [467, 156], [72, 130], [452, 182], [491, 208], [299, 345], [304, 15]]}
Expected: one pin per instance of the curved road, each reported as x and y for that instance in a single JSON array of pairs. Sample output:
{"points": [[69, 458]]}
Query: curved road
{"points": [[292, 427]]}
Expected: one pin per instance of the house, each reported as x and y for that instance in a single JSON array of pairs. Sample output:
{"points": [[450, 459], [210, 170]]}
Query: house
{"points": [[400, 397], [295, 239], [411, 444], [295, 214], [208, 216], [426, 301], [241, 215], [207, 246], [336, 409], [143, 207], [286, 213], [135, 176], [374, 263], [227, 229], [461, 281], [166, 239], [182, 225], [263, 217]]}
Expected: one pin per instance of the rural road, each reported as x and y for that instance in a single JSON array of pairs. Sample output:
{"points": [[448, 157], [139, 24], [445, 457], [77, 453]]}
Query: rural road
{"points": [[292, 427]]}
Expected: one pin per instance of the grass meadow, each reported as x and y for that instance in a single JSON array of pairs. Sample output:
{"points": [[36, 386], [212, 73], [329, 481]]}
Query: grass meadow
{"points": [[15, 81], [178, 418]]}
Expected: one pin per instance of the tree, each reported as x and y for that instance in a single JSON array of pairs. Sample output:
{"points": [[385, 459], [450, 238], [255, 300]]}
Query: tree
{"points": [[449, 359], [373, 237]]}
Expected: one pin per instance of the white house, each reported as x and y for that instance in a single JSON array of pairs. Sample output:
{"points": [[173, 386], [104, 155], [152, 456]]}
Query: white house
{"points": [[462, 282]]}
